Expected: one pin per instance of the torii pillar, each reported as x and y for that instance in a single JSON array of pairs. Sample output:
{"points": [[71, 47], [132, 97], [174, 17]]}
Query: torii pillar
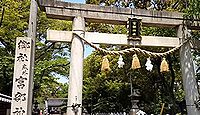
{"points": [[188, 74], [76, 69]]}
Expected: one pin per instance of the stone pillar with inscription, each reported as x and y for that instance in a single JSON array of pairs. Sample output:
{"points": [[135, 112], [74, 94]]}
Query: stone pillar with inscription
{"points": [[21, 79], [22, 92]]}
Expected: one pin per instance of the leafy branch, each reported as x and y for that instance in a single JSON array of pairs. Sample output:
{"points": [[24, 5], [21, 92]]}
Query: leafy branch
{"points": [[2, 15]]}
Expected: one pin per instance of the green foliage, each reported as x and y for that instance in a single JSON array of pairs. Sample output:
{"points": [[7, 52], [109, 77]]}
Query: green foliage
{"points": [[103, 92], [154, 31], [109, 91], [193, 10], [172, 5], [14, 16], [51, 59]]}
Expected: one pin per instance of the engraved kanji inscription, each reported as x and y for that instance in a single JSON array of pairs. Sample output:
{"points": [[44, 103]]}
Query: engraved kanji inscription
{"points": [[22, 57], [20, 97], [23, 44], [20, 82], [19, 111], [24, 69]]}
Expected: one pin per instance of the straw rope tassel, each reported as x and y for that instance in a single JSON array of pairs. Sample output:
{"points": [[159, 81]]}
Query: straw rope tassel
{"points": [[164, 67], [105, 64], [135, 62]]}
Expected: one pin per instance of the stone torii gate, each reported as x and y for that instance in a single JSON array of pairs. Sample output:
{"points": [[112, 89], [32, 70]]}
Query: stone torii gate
{"points": [[80, 14]]}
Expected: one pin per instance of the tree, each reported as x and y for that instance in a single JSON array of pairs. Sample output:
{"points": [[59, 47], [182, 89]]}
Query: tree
{"points": [[13, 24], [51, 59], [144, 4], [2, 13]]}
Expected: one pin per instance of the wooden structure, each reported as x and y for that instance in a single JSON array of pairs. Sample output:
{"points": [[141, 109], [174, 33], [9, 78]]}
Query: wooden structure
{"points": [[5, 103], [55, 105], [80, 13]]}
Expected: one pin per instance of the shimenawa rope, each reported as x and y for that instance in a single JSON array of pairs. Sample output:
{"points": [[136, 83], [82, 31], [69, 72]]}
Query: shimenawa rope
{"points": [[135, 50]]}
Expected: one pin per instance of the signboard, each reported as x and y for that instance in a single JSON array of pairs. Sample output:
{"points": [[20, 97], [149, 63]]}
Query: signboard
{"points": [[22, 68]]}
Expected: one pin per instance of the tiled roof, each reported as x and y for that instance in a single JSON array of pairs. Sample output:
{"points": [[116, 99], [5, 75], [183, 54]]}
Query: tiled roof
{"points": [[5, 98], [56, 102]]}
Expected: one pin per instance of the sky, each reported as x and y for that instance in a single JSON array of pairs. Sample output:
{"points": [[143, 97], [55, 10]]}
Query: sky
{"points": [[75, 1]]}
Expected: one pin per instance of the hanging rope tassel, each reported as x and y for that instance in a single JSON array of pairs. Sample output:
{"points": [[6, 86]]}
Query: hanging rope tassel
{"points": [[135, 62], [105, 64], [164, 67]]}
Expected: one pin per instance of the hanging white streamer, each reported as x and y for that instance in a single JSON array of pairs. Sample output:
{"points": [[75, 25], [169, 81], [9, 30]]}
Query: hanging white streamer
{"points": [[120, 62], [148, 65]]}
